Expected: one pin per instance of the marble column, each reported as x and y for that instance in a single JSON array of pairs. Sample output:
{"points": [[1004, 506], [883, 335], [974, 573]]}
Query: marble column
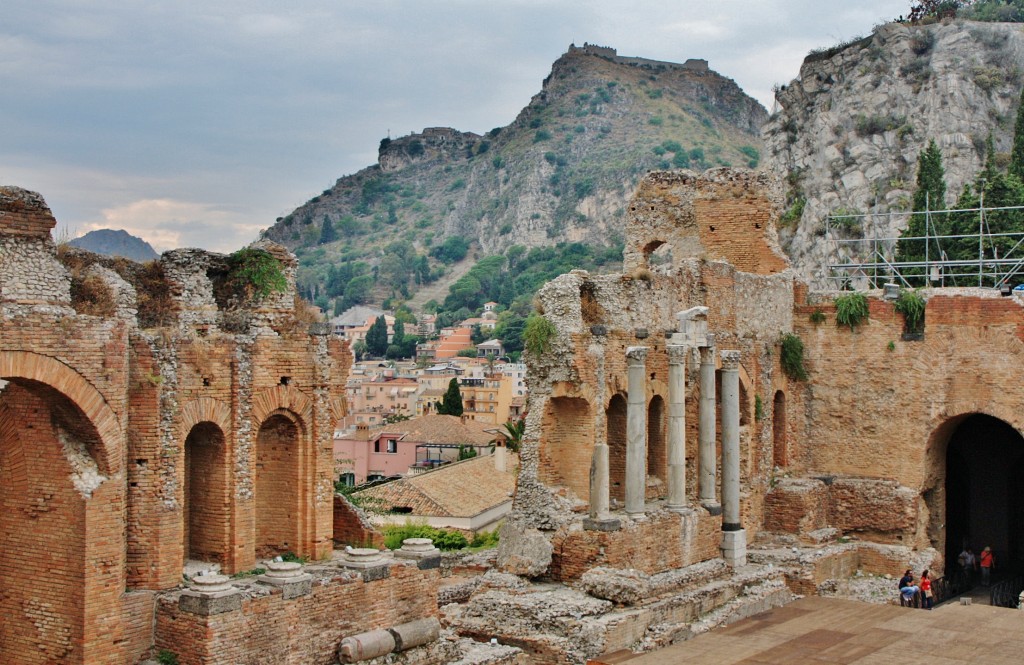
{"points": [[677, 427], [706, 441], [733, 538], [636, 430]]}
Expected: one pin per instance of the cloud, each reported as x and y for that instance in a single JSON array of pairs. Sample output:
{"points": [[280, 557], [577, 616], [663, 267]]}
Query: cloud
{"points": [[168, 224]]}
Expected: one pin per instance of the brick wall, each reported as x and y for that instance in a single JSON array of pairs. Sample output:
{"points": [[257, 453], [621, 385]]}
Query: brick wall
{"points": [[307, 629], [352, 528]]}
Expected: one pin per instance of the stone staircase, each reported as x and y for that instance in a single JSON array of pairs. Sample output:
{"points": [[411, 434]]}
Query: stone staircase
{"points": [[612, 610]]}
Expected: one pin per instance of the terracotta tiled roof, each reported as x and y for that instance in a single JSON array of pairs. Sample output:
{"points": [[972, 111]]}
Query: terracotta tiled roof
{"points": [[463, 489], [436, 428]]}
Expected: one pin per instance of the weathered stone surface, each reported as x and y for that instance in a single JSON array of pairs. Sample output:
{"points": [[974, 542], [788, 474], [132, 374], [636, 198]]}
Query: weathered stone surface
{"points": [[523, 550], [626, 587]]}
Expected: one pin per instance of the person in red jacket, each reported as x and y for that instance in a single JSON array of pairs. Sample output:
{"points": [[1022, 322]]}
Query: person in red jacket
{"points": [[988, 562], [927, 599]]}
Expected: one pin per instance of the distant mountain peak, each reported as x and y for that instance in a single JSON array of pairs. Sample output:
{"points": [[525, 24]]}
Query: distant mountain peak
{"points": [[116, 242]]}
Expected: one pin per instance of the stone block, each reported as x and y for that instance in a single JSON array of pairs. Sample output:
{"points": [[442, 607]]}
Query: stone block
{"points": [[365, 646], [609, 524], [209, 604], [523, 551], [734, 547]]}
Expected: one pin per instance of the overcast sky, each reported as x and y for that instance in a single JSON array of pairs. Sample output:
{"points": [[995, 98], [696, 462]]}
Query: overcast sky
{"points": [[198, 123]]}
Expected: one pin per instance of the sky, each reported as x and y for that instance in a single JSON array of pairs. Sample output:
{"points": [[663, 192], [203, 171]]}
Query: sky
{"points": [[197, 124]]}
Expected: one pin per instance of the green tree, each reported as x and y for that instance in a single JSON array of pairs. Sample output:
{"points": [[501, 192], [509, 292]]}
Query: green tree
{"points": [[377, 337], [513, 434], [327, 232], [1017, 154], [451, 404], [929, 195]]}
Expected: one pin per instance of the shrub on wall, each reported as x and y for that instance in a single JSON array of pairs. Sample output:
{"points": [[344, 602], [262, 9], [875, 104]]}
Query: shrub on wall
{"points": [[851, 309], [537, 334], [792, 358], [911, 305]]}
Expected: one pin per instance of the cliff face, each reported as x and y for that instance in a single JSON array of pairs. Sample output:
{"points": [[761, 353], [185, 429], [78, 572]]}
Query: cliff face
{"points": [[562, 171], [850, 128]]}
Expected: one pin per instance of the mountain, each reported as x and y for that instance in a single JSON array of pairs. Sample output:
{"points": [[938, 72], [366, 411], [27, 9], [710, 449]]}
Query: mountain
{"points": [[561, 172], [115, 242], [851, 127]]}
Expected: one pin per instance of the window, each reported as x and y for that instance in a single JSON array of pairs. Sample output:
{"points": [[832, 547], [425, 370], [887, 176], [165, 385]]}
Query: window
{"points": [[376, 446], [347, 479], [392, 446]]}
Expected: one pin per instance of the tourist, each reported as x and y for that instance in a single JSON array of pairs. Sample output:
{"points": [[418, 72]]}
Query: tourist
{"points": [[908, 590], [927, 599], [968, 564], [988, 562]]}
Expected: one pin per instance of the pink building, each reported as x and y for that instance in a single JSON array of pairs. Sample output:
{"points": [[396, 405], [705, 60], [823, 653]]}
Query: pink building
{"points": [[407, 447]]}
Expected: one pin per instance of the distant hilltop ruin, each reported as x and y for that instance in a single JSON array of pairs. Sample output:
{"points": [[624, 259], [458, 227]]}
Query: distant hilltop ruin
{"points": [[693, 64]]}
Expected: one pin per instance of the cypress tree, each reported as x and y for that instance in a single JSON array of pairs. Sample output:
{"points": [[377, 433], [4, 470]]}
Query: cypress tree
{"points": [[1017, 154], [327, 232], [377, 337], [930, 194], [451, 404]]}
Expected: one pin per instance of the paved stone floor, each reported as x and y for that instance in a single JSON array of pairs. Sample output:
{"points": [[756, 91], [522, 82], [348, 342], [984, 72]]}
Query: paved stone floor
{"points": [[829, 630]]}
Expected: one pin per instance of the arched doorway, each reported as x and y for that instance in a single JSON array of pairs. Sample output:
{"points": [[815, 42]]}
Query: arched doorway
{"points": [[206, 495], [615, 417], [278, 514], [984, 489], [657, 448], [566, 444], [48, 475]]}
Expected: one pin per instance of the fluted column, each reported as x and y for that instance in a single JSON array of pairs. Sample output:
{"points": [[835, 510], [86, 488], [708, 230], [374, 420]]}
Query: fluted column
{"points": [[636, 430], [677, 426], [734, 548], [706, 439]]}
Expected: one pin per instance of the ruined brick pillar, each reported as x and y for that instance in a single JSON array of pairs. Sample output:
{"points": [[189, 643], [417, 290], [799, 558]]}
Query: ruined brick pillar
{"points": [[706, 440], [636, 430], [677, 426], [733, 538]]}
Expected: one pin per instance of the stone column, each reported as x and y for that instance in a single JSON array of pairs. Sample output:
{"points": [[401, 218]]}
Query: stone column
{"points": [[677, 427], [636, 430], [706, 441], [734, 548], [600, 518]]}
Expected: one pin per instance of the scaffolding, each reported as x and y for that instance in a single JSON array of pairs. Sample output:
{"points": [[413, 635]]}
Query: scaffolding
{"points": [[871, 261]]}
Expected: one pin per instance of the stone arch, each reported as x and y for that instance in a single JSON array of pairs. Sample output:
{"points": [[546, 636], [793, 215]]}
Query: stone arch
{"points": [[780, 450], [974, 492], [615, 424], [281, 398], [60, 443], [657, 439], [567, 444]]}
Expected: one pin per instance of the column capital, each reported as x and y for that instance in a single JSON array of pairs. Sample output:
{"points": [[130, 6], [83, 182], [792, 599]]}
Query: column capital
{"points": [[730, 360], [677, 354], [637, 354], [707, 353]]}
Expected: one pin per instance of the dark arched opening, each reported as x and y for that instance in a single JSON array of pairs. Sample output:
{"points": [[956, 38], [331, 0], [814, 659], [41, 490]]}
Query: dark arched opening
{"points": [[616, 430], [985, 489], [780, 457]]}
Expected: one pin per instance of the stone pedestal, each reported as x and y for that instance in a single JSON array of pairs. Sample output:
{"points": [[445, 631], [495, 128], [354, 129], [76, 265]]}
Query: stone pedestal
{"points": [[706, 439], [677, 427], [210, 594], [369, 562], [636, 430], [734, 547], [420, 550], [289, 577]]}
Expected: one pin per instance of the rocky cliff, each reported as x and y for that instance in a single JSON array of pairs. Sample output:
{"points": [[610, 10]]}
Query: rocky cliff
{"points": [[850, 128]]}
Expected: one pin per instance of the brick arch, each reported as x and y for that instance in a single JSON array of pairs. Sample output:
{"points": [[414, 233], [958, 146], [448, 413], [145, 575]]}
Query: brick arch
{"points": [[25, 365], [204, 409], [281, 398]]}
